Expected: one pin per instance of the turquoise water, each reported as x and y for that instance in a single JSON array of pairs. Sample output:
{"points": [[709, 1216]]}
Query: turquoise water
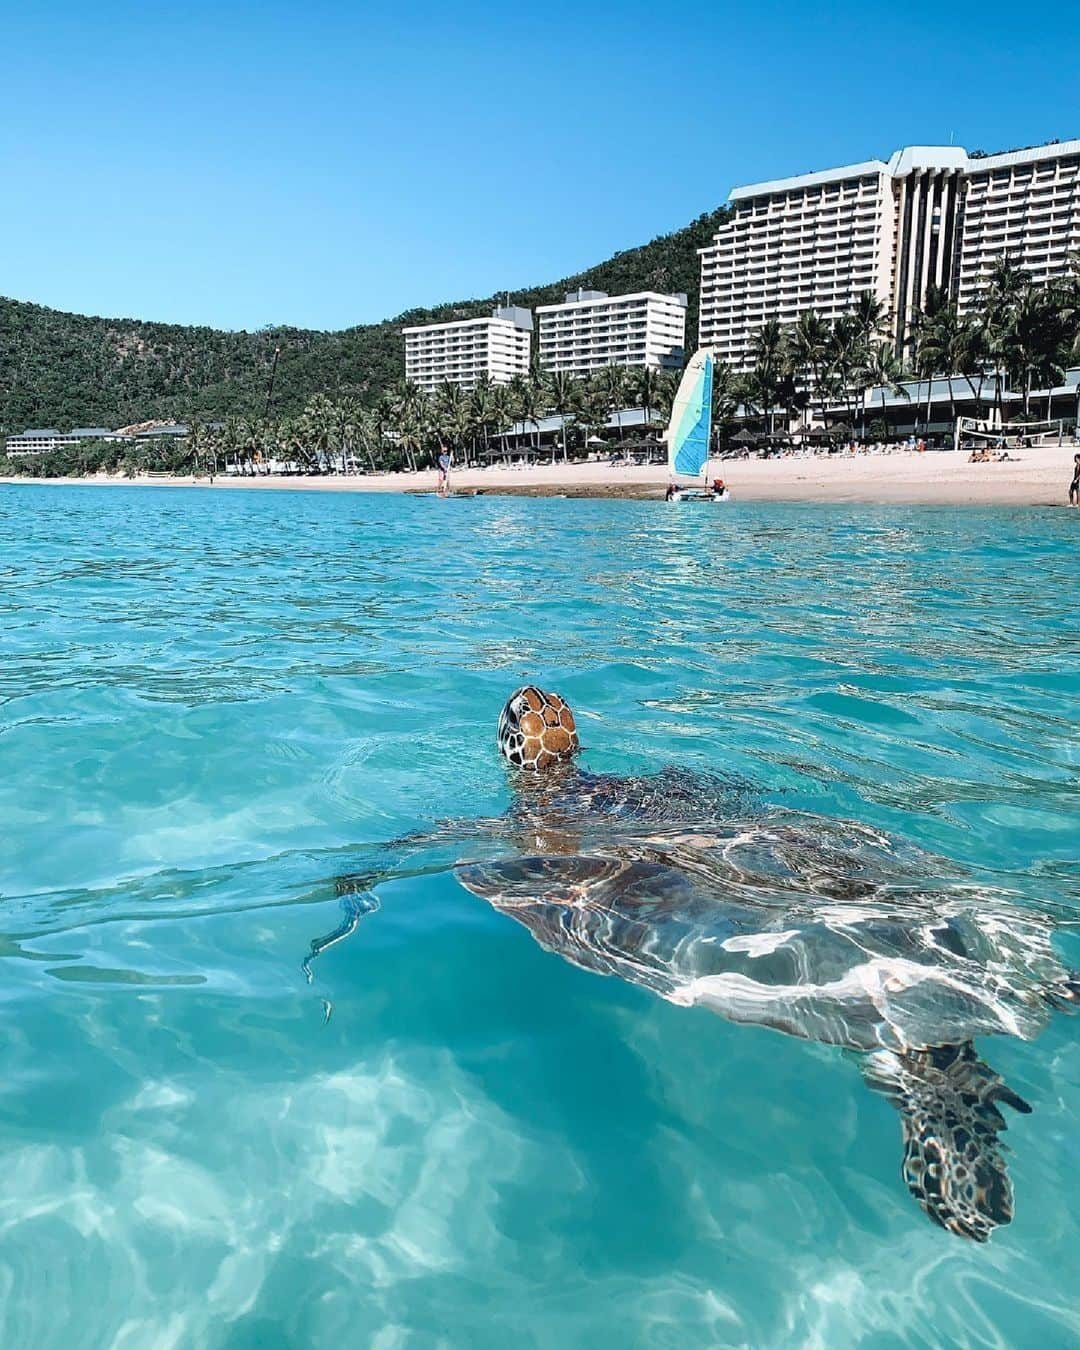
{"points": [[212, 704]]}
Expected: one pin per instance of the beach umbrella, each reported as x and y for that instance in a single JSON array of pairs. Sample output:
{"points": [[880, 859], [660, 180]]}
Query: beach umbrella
{"points": [[745, 437]]}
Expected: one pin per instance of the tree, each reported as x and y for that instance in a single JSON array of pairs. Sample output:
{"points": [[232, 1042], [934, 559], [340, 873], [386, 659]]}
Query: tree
{"points": [[1005, 284], [408, 409], [450, 416], [846, 355], [667, 387], [530, 403], [503, 411], [807, 345], [645, 384], [318, 427], [726, 396], [482, 409], [920, 337], [369, 435], [769, 352], [870, 317], [885, 369], [941, 350], [611, 384], [1037, 341], [563, 394]]}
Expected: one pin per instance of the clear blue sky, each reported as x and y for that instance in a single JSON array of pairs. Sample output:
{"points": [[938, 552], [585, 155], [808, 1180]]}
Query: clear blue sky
{"points": [[324, 164]]}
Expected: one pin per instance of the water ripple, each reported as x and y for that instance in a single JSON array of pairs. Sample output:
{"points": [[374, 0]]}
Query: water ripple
{"points": [[213, 704]]}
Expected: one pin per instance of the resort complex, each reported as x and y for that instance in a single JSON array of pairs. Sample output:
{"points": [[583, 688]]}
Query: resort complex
{"points": [[931, 298], [932, 217], [589, 331]]}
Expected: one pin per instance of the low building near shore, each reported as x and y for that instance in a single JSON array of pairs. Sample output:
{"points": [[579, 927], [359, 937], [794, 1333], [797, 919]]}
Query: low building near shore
{"points": [[43, 441]]}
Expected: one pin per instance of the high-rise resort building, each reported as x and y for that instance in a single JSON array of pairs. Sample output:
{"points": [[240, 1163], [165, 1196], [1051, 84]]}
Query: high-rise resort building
{"points": [[463, 351], [932, 215], [593, 329]]}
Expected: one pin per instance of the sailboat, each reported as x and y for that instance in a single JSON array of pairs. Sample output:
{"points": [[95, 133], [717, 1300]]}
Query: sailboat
{"points": [[689, 432]]}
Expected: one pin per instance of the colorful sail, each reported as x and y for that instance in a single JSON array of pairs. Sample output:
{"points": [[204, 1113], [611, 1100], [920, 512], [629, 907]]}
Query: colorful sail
{"points": [[690, 427]]}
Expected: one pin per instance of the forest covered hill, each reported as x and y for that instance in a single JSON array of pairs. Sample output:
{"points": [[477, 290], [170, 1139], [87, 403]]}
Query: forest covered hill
{"points": [[63, 370]]}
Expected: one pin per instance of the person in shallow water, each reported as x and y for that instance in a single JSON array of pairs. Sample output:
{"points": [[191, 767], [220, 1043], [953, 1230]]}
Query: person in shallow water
{"points": [[444, 463], [685, 884], [1074, 486]]}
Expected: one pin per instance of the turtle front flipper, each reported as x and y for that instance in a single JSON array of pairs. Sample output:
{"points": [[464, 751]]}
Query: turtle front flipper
{"points": [[355, 904], [954, 1163]]}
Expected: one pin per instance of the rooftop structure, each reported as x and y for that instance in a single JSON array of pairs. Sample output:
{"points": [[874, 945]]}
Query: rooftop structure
{"points": [[592, 329], [465, 350], [931, 215]]}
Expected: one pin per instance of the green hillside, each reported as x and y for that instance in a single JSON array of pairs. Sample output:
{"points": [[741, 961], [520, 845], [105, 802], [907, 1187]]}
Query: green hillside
{"points": [[66, 370]]}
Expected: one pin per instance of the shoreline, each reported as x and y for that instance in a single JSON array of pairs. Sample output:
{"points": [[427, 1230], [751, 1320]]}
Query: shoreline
{"points": [[1037, 477]]}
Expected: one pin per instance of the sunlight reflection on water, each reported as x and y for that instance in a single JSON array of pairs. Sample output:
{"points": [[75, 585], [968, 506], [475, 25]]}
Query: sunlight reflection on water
{"points": [[211, 704]]}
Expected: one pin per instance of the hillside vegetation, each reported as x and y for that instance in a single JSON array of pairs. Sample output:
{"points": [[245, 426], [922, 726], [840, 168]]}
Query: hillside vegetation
{"points": [[65, 370]]}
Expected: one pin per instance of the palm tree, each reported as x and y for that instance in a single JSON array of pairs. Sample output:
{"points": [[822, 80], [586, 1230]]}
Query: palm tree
{"points": [[768, 350], [530, 402], [369, 434], [870, 317], [232, 441], [646, 387], [412, 434], [251, 430], [318, 426], [807, 344], [340, 432], [885, 369], [1005, 284], [972, 357], [921, 341], [481, 408], [408, 408], [503, 411], [287, 438], [451, 415], [667, 387], [941, 352], [1037, 340], [563, 393], [846, 355], [196, 440], [611, 383], [726, 396]]}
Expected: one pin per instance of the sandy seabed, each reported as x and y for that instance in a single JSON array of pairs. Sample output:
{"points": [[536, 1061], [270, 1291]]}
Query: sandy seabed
{"points": [[1037, 477]]}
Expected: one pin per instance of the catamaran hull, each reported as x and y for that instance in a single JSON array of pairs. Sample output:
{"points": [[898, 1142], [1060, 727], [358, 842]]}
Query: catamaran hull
{"points": [[708, 498]]}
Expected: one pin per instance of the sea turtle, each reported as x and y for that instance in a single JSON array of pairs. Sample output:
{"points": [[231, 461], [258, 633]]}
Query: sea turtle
{"points": [[822, 929]]}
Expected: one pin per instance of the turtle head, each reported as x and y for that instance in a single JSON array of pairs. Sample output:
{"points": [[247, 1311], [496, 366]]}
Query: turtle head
{"points": [[537, 729]]}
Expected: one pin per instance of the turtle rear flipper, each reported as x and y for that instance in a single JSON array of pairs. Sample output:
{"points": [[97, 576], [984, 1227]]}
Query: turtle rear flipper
{"points": [[954, 1163]]}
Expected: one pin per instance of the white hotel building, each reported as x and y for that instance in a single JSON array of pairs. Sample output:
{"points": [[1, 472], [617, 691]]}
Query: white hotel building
{"points": [[593, 329], [463, 351], [931, 215]]}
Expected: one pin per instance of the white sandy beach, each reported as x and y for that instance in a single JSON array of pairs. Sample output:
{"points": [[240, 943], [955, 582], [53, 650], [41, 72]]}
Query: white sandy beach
{"points": [[1038, 477]]}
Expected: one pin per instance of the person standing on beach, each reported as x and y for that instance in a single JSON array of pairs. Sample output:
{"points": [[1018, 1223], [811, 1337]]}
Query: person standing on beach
{"points": [[1074, 486], [445, 461]]}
